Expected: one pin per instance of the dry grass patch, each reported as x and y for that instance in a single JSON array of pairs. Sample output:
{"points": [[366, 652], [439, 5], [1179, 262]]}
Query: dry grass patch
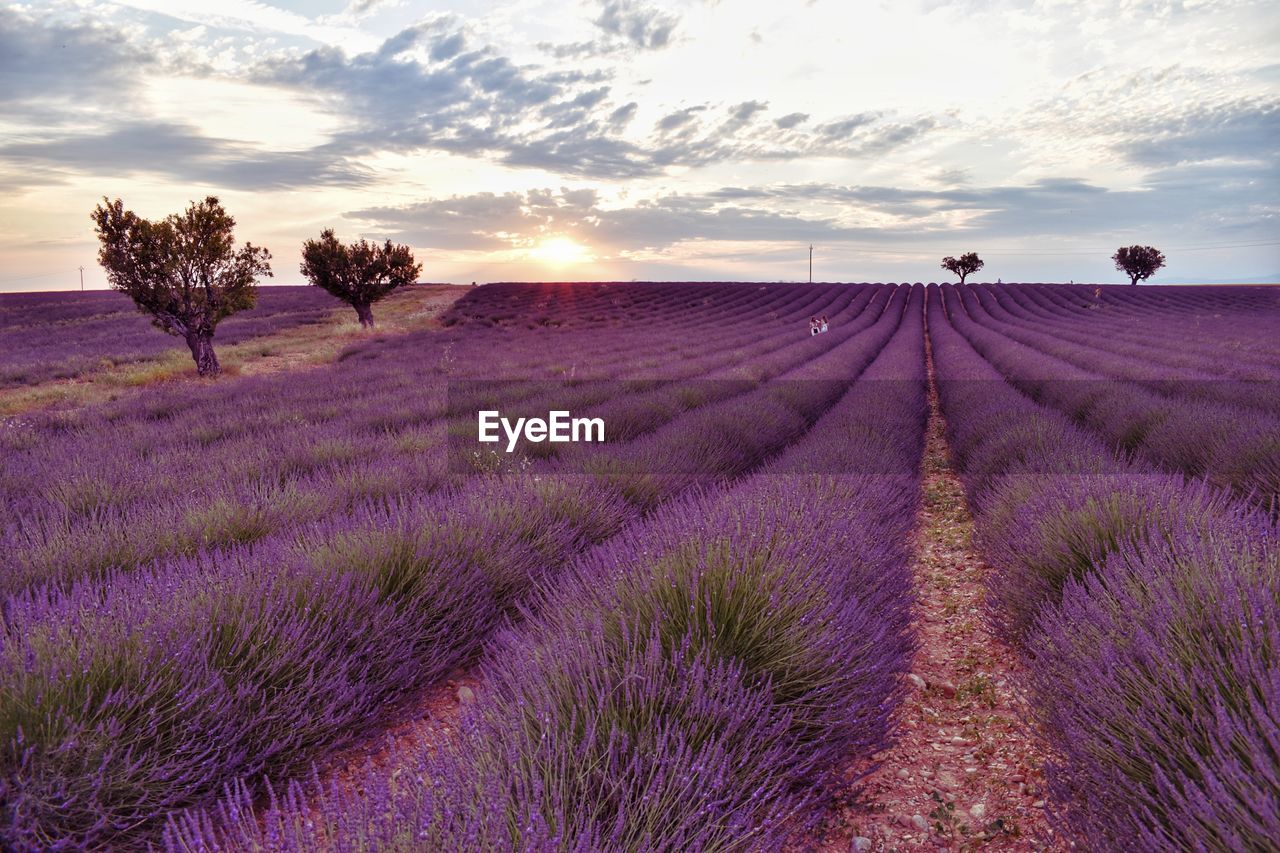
{"points": [[410, 309]]}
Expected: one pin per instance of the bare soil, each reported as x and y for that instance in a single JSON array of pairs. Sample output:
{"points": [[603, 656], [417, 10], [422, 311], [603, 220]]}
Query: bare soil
{"points": [[966, 771], [423, 726]]}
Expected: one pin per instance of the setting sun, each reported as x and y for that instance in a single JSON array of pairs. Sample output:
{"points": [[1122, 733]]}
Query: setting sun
{"points": [[560, 251]]}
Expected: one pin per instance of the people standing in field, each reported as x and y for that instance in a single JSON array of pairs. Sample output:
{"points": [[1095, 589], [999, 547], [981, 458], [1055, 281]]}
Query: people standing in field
{"points": [[823, 327], [813, 326]]}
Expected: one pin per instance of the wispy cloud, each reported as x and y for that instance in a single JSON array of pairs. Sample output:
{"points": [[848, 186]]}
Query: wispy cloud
{"points": [[1061, 209], [643, 25], [182, 153]]}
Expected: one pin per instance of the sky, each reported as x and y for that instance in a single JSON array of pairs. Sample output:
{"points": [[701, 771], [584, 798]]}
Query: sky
{"points": [[655, 139]]}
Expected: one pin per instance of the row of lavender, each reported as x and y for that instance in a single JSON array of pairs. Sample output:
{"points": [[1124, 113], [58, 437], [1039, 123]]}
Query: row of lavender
{"points": [[46, 336], [570, 304], [1207, 367], [1221, 322], [1147, 607], [700, 681], [1182, 420], [134, 693], [195, 469]]}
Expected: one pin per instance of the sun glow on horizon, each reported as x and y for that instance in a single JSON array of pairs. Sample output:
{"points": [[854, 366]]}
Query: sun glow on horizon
{"points": [[561, 251]]}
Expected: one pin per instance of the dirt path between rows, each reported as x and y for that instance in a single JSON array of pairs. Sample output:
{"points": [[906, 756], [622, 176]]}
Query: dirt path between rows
{"points": [[966, 771]]}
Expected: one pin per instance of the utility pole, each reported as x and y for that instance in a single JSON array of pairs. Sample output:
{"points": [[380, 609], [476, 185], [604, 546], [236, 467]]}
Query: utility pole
{"points": [[811, 263], [82, 279]]}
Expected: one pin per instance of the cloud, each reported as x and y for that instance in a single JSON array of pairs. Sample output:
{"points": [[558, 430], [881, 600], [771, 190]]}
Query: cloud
{"points": [[1157, 116], [473, 101], [888, 137], [1052, 211], [623, 115], [474, 222], [570, 152], [430, 86], [357, 8], [642, 25], [574, 50], [183, 153], [52, 70], [58, 75], [844, 128], [448, 47], [790, 120], [477, 102], [951, 177], [680, 119], [745, 110], [1242, 130], [489, 221], [627, 25]]}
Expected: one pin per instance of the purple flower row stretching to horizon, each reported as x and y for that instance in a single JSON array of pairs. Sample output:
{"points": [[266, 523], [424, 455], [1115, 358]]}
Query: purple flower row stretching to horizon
{"points": [[1147, 606], [687, 635], [198, 469], [240, 660], [700, 681], [1196, 427]]}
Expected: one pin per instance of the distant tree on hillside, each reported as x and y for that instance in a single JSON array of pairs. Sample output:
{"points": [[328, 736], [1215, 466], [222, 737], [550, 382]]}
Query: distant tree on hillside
{"points": [[963, 265], [360, 273], [1138, 262], [183, 270]]}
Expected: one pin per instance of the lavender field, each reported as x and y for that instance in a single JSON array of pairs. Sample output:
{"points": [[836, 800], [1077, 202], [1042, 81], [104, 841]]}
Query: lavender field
{"points": [[694, 635], [47, 336]]}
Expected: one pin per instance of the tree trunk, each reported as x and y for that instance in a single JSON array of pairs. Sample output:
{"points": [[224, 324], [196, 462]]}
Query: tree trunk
{"points": [[1133, 279], [365, 313], [963, 277], [202, 352]]}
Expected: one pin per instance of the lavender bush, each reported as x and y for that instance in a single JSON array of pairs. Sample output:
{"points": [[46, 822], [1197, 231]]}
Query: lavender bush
{"points": [[213, 467], [1182, 433], [1042, 533], [422, 577], [1146, 607], [1158, 680], [696, 682]]}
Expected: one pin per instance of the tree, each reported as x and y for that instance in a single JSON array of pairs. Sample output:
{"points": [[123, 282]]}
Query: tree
{"points": [[962, 266], [1138, 262], [183, 270], [361, 273]]}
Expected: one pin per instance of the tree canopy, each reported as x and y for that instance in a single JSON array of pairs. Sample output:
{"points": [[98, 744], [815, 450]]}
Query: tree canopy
{"points": [[360, 273], [963, 265], [1138, 262], [183, 270]]}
